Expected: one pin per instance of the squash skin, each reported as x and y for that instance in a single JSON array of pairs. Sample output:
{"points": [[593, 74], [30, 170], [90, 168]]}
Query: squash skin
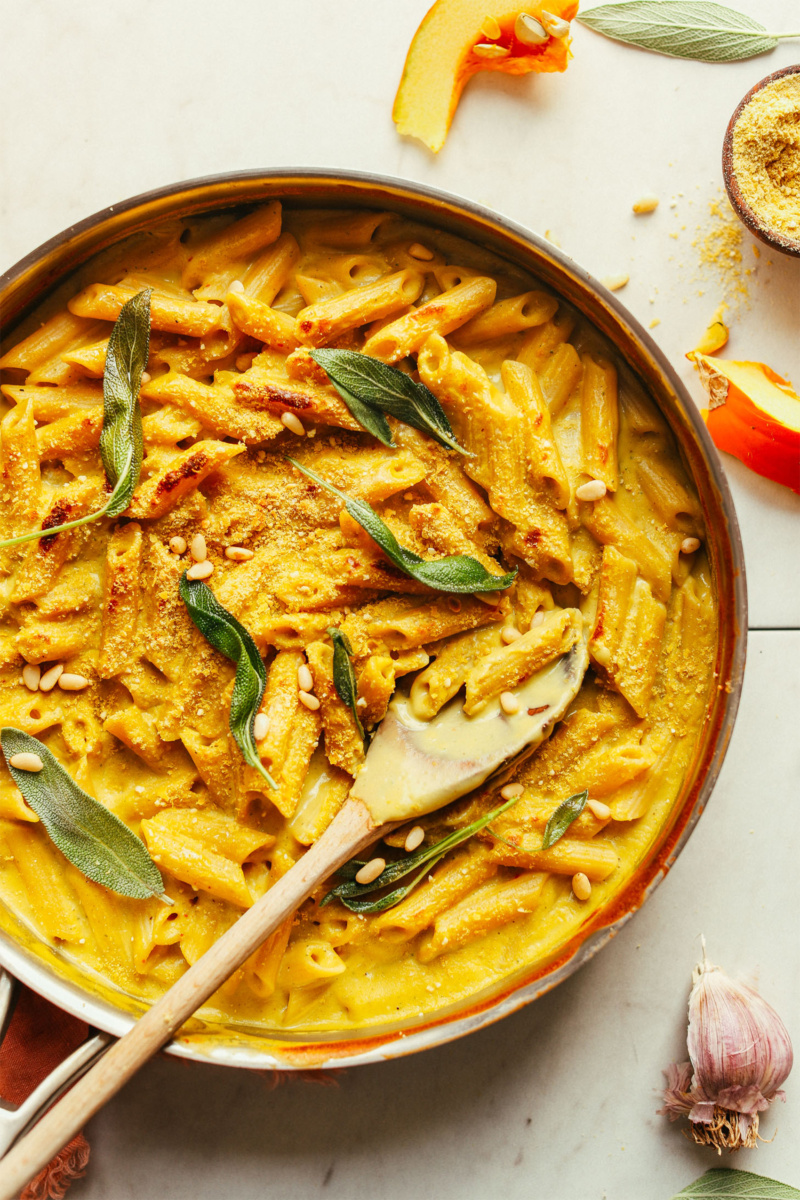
{"points": [[755, 416], [440, 60]]}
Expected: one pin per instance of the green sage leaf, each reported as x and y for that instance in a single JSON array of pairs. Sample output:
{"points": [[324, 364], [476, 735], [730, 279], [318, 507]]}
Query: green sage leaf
{"points": [[350, 893], [567, 812], [344, 679], [455, 573], [92, 838], [226, 634], [121, 443], [722, 1183], [697, 29], [377, 388]]}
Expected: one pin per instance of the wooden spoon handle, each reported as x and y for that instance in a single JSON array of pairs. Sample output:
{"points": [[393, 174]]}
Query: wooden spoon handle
{"points": [[349, 832]]}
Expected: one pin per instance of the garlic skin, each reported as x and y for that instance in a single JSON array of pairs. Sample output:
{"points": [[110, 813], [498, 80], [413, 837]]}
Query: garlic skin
{"points": [[740, 1055]]}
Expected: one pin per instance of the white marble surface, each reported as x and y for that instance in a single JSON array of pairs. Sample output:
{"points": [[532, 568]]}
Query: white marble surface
{"points": [[106, 100]]}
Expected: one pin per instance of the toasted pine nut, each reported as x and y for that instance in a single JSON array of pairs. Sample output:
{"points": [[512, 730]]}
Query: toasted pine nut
{"points": [[529, 31], [177, 545], [236, 285], [556, 26], [490, 50], [509, 703], [200, 570], [261, 726], [293, 423], [371, 870], [689, 545], [509, 634], [645, 204], [51, 678], [305, 680], [31, 674], [581, 886], [72, 683], [415, 837], [197, 548], [511, 791], [26, 762], [595, 489], [615, 282], [600, 810], [490, 28], [308, 700], [418, 251], [238, 553]]}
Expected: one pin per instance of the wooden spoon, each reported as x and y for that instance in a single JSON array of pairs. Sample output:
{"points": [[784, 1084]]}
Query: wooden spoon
{"points": [[412, 767]]}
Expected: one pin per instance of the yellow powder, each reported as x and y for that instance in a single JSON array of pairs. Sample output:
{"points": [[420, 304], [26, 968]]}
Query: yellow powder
{"points": [[718, 243], [766, 155]]}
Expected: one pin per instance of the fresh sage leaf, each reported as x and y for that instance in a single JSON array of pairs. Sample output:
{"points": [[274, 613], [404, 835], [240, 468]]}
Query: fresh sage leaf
{"points": [[567, 812], [121, 443], [344, 679], [377, 388], [92, 838], [697, 29], [226, 634], [722, 1183], [454, 573], [350, 893]]}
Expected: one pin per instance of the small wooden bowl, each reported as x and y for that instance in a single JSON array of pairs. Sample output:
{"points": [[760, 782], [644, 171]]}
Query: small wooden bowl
{"points": [[778, 241]]}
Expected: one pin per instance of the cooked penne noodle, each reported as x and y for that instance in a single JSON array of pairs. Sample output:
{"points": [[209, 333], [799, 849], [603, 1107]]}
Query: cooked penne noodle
{"points": [[441, 315]]}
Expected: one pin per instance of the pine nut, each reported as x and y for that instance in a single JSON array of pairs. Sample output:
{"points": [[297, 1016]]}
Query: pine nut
{"points": [[615, 282], [557, 27], [416, 837], [51, 678], [293, 423], [261, 726], [31, 674], [529, 31], [238, 553], [490, 50], [509, 703], [361, 702], [305, 680], [511, 791], [198, 549], [581, 886], [418, 251], [146, 376], [72, 683], [371, 870], [600, 810], [177, 545], [509, 634], [645, 204], [490, 28], [200, 570], [537, 618], [236, 285], [595, 489], [26, 762], [308, 700], [689, 545]]}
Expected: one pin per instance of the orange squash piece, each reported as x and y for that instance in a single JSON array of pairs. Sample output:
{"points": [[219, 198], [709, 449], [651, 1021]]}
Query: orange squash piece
{"points": [[442, 58], [753, 414]]}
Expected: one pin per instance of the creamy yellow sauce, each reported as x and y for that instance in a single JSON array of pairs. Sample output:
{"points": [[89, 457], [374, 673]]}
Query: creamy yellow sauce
{"points": [[149, 736]]}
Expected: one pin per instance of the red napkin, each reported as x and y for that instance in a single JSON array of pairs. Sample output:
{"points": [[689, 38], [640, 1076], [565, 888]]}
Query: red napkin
{"points": [[39, 1037]]}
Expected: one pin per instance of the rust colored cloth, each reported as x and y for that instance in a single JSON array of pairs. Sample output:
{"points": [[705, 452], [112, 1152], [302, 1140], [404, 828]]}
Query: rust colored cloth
{"points": [[39, 1037]]}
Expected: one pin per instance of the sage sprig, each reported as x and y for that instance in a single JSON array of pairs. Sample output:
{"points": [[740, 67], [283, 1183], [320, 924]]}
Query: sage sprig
{"points": [[722, 1183], [344, 679], [121, 443], [697, 29], [226, 634], [350, 893], [568, 811], [454, 573], [92, 838], [370, 388]]}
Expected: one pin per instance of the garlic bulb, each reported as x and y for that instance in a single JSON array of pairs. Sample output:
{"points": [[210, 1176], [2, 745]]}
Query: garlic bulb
{"points": [[740, 1055]]}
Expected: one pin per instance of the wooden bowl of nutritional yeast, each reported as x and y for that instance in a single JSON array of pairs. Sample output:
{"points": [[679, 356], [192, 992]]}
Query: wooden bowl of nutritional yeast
{"points": [[54, 272]]}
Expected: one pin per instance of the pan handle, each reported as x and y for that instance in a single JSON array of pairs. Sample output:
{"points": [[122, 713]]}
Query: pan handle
{"points": [[16, 1121]]}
